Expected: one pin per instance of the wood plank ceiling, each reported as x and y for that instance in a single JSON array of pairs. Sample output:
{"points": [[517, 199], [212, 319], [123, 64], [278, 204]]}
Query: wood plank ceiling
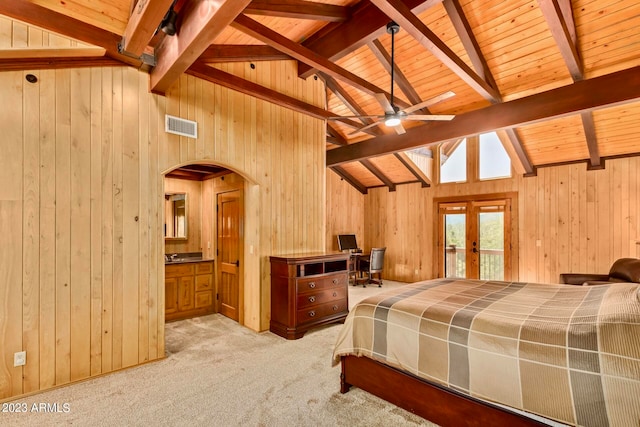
{"points": [[559, 78]]}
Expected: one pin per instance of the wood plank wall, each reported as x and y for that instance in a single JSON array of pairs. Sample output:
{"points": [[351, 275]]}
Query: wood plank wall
{"points": [[345, 211], [18, 35], [81, 162], [569, 220]]}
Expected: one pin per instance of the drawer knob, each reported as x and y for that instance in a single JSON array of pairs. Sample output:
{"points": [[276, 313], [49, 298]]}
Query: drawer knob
{"points": [[335, 281], [335, 308], [335, 294], [312, 285], [312, 314], [312, 299]]}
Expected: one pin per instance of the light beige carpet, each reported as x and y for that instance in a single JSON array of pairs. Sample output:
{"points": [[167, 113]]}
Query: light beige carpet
{"points": [[218, 373]]}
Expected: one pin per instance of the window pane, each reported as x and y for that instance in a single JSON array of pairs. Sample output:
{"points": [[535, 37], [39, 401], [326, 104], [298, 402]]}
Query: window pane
{"points": [[491, 233], [494, 160], [453, 165], [454, 240]]}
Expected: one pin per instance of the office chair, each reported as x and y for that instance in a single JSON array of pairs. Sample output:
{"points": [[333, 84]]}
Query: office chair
{"points": [[372, 266]]}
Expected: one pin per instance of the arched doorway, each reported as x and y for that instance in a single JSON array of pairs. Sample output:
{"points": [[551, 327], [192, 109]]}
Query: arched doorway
{"points": [[236, 282]]}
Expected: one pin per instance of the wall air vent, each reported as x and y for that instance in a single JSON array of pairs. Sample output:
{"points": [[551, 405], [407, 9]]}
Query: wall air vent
{"points": [[180, 126]]}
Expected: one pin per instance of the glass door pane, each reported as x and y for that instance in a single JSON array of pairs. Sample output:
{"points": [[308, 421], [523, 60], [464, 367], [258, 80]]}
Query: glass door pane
{"points": [[455, 236], [491, 242]]}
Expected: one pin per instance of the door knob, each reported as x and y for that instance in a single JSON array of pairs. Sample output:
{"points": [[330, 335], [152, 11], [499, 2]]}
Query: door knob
{"points": [[237, 263]]}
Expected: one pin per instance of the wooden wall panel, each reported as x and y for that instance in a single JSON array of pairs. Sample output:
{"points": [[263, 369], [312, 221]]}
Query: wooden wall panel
{"points": [[345, 211], [18, 35], [11, 223], [82, 159]]}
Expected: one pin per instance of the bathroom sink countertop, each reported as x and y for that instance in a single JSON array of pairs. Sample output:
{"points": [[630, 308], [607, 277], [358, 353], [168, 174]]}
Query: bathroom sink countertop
{"points": [[187, 260]]}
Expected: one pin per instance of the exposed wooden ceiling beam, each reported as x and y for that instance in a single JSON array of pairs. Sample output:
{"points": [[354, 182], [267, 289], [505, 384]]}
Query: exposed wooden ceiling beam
{"points": [[365, 24], [465, 33], [595, 161], [349, 178], [56, 62], [618, 88], [511, 152], [241, 53], [468, 39], [378, 174], [344, 96], [298, 9], [143, 23], [199, 23], [301, 53], [349, 102], [409, 164], [401, 14], [447, 148], [69, 52], [560, 21], [247, 87], [333, 136], [516, 143], [50, 20], [559, 17]]}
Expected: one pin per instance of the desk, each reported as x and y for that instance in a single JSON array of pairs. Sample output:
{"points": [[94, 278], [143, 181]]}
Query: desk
{"points": [[354, 264]]}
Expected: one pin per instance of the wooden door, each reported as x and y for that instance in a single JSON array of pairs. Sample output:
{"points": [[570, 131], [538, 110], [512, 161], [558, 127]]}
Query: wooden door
{"points": [[230, 249], [474, 239], [490, 244]]}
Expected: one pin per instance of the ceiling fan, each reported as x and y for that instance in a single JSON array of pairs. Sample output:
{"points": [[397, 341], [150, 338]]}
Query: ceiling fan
{"points": [[393, 115]]}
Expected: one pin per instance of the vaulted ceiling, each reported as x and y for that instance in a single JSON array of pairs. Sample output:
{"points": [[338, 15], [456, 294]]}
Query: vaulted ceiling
{"points": [[559, 79]]}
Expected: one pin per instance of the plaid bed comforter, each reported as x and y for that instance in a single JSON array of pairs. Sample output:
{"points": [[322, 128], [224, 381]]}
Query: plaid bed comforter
{"points": [[568, 353]]}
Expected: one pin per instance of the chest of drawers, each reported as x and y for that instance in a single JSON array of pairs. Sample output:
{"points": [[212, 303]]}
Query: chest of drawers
{"points": [[307, 290]]}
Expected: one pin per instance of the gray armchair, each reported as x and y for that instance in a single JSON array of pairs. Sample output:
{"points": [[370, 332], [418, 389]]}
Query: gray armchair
{"points": [[623, 270]]}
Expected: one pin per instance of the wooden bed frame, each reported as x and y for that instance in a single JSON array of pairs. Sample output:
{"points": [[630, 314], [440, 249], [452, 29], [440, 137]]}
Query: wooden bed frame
{"points": [[433, 402]]}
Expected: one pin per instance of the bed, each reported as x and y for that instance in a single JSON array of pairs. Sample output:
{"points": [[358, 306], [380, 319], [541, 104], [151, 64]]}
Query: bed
{"points": [[469, 352]]}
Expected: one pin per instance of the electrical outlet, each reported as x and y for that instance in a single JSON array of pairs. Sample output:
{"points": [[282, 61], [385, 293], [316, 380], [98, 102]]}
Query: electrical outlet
{"points": [[20, 358]]}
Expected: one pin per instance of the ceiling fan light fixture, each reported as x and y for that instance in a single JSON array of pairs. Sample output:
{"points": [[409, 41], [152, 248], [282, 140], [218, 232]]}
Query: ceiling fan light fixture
{"points": [[392, 121]]}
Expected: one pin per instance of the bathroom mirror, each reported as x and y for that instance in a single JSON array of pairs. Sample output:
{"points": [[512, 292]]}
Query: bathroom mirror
{"points": [[175, 214]]}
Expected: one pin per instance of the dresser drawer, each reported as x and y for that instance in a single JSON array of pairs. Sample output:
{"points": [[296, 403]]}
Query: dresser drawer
{"points": [[309, 299], [318, 312], [204, 268], [314, 284], [204, 282], [178, 270]]}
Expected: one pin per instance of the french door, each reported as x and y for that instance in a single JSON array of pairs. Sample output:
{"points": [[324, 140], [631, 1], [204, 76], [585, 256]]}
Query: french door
{"points": [[474, 239]]}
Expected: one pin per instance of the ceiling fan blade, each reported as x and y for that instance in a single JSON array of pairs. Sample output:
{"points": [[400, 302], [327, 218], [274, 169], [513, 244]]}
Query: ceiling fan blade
{"points": [[384, 102], [373, 116], [399, 129], [429, 102], [365, 128], [440, 117]]}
